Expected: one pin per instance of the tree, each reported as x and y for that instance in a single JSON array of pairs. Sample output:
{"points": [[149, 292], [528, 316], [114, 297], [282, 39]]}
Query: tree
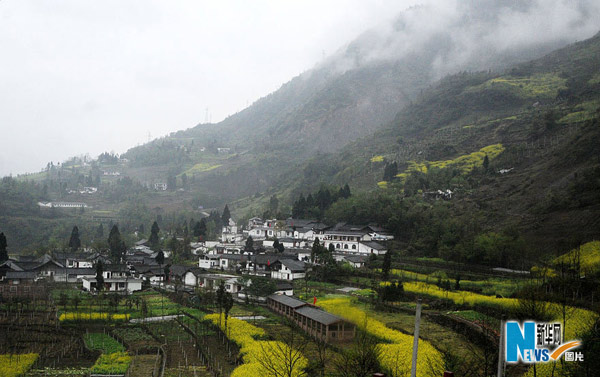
{"points": [[99, 275], [160, 257], [486, 162], [200, 228], [76, 300], [100, 231], [273, 205], [362, 359], [3, 251], [387, 264], [227, 305], [74, 241], [390, 171], [220, 299], [154, 240], [284, 358], [226, 215], [63, 300], [167, 271], [116, 244], [249, 244]]}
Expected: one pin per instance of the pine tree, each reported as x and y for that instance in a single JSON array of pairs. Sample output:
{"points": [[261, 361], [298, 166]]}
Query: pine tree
{"points": [[387, 264], [160, 257], [249, 244], [115, 244], [486, 162], [74, 241], [99, 275], [3, 251], [154, 235], [100, 231], [226, 215], [346, 191]]}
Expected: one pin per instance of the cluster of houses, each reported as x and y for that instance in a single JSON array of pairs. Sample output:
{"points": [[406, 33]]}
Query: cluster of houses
{"points": [[218, 261], [352, 244]]}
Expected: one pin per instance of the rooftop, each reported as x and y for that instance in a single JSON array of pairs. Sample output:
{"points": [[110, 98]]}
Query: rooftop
{"points": [[288, 301], [318, 315]]}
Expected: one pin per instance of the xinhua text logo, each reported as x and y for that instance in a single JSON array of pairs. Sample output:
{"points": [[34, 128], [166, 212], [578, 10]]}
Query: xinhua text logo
{"points": [[536, 342]]}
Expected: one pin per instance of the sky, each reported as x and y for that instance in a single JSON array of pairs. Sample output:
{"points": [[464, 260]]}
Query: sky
{"points": [[81, 77], [84, 77]]}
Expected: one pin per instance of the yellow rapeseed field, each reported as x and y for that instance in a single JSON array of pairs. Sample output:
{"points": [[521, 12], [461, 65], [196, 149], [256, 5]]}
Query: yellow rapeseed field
{"points": [[15, 365], [244, 334], [77, 316], [395, 356]]}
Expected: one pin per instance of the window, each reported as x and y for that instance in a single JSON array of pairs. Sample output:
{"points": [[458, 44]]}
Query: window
{"points": [[346, 246], [337, 246], [13, 289], [353, 247]]}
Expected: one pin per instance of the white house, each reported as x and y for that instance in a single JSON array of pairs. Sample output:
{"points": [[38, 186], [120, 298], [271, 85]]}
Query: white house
{"points": [[120, 284], [208, 261], [345, 241], [288, 269], [231, 261], [356, 261], [371, 247]]}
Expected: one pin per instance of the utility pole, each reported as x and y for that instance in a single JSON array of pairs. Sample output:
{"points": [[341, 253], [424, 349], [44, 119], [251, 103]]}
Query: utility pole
{"points": [[413, 370], [501, 349]]}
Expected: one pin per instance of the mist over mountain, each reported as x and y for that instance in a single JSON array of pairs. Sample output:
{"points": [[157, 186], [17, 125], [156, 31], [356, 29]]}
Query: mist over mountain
{"points": [[362, 87]]}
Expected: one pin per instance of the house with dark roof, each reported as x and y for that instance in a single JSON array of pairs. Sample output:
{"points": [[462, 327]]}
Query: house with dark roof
{"points": [[315, 321], [356, 261], [21, 284], [371, 247], [288, 269], [76, 260]]}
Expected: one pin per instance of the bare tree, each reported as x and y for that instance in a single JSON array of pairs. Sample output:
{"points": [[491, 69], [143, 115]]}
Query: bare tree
{"points": [[362, 359], [284, 357], [323, 355]]}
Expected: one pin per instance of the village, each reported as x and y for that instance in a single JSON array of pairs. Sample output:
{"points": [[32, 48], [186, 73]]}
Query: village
{"points": [[276, 249], [276, 254]]}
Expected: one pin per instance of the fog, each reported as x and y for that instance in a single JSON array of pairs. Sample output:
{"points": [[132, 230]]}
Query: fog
{"points": [[86, 77]]}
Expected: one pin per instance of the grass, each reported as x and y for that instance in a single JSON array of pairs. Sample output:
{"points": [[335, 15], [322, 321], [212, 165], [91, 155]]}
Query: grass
{"points": [[490, 286], [543, 85], [102, 342], [588, 256], [377, 159], [199, 168], [465, 163]]}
